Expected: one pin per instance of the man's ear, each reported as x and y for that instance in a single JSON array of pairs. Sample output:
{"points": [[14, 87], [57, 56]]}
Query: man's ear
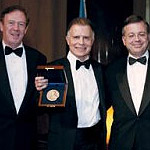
{"points": [[67, 39], [149, 37], [26, 29], [1, 26], [123, 40]]}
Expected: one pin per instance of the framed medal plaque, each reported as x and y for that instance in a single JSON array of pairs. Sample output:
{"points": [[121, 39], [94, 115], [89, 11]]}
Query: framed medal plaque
{"points": [[54, 95]]}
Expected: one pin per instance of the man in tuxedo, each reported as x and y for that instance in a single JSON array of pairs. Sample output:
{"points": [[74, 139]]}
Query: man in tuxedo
{"points": [[18, 64], [128, 84], [80, 125]]}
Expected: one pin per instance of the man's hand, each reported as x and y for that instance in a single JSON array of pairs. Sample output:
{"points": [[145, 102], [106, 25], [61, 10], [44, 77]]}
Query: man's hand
{"points": [[40, 83]]}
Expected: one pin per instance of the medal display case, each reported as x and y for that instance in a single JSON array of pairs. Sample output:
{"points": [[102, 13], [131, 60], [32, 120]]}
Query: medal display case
{"points": [[54, 95]]}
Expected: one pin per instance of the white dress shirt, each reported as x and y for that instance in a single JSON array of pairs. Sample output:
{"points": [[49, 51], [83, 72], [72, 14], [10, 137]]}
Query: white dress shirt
{"points": [[136, 74], [86, 94], [17, 73]]}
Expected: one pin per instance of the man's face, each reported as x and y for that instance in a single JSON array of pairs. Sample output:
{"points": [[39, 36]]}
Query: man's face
{"points": [[136, 38], [14, 28], [80, 40]]}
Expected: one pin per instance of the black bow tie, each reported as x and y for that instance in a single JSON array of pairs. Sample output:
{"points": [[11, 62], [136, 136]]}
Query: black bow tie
{"points": [[86, 64], [142, 60], [18, 51]]}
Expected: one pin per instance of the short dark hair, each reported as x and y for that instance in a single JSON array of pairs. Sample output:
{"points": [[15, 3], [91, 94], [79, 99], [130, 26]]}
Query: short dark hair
{"points": [[80, 21], [135, 19], [14, 8]]}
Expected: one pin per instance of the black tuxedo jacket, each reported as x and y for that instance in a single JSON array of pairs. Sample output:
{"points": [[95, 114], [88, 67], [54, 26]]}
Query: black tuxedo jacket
{"points": [[18, 131], [63, 121], [129, 130]]}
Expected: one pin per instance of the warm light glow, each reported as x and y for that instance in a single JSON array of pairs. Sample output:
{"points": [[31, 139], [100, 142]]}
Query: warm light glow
{"points": [[109, 122]]}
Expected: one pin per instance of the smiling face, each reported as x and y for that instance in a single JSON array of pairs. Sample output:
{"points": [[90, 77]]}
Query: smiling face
{"points": [[13, 28], [80, 39], [136, 38]]}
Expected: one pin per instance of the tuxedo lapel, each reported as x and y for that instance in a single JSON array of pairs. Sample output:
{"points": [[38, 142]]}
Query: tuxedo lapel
{"points": [[99, 80], [5, 85], [98, 76], [123, 85], [70, 92], [97, 73], [146, 93], [31, 62]]}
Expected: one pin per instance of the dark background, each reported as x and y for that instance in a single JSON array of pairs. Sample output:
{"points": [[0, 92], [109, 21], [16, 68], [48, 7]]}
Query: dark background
{"points": [[107, 17]]}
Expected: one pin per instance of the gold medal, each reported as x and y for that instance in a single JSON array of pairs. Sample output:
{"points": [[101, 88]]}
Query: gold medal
{"points": [[52, 95]]}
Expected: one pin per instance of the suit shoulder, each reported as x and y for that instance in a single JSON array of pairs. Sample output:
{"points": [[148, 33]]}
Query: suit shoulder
{"points": [[35, 54], [116, 65], [60, 61], [95, 63], [33, 50], [28, 48]]}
